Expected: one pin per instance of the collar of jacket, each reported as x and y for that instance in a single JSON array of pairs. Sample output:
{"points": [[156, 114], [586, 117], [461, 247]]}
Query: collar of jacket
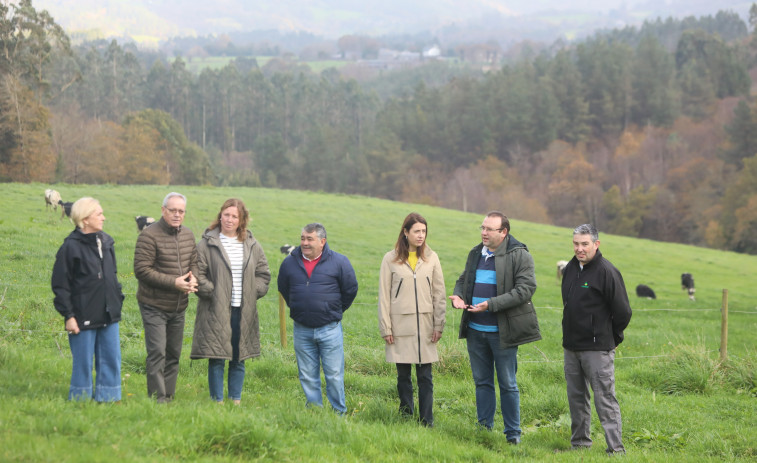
{"points": [[597, 258], [168, 228], [89, 238], [213, 235], [325, 253], [509, 244]]}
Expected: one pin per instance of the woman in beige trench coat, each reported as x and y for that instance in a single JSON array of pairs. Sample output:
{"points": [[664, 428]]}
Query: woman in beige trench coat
{"points": [[411, 311]]}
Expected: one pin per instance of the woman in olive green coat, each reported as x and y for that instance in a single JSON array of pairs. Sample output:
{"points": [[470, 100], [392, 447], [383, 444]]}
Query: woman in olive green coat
{"points": [[232, 275], [412, 307]]}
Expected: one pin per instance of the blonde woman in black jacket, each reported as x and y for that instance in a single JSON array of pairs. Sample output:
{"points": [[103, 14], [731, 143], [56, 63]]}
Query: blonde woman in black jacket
{"points": [[88, 295]]}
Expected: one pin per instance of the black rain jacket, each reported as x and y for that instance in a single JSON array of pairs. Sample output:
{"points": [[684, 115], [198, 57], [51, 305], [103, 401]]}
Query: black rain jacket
{"points": [[86, 286]]}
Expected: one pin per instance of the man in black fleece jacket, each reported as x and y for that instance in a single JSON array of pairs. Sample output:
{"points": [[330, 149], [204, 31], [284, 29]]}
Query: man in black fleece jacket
{"points": [[595, 313]]}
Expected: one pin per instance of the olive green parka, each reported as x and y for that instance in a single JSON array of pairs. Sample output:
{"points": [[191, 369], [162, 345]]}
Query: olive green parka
{"points": [[212, 332]]}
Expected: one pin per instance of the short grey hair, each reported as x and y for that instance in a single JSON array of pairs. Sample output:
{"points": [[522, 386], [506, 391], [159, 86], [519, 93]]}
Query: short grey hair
{"points": [[316, 227], [587, 229], [174, 194]]}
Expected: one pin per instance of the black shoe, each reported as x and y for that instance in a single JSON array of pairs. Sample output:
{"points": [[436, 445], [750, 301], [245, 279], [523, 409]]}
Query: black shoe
{"points": [[513, 441]]}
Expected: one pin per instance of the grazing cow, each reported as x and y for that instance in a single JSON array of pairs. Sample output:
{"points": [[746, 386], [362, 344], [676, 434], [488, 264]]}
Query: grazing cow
{"points": [[645, 291], [561, 268], [66, 206], [143, 221], [687, 283], [287, 249], [52, 198]]}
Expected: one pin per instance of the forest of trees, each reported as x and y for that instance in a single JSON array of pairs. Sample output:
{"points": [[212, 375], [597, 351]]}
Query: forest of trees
{"points": [[649, 133]]}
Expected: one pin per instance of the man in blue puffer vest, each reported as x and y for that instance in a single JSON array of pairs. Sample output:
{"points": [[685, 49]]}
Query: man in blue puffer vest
{"points": [[318, 285]]}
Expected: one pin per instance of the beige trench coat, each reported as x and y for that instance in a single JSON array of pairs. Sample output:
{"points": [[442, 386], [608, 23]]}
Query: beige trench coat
{"points": [[411, 306]]}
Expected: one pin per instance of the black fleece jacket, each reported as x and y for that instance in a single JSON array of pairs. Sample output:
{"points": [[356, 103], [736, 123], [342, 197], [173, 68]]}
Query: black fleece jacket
{"points": [[595, 305]]}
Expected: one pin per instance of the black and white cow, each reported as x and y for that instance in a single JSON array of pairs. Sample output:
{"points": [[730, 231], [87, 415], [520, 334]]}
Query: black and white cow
{"points": [[561, 268], [645, 291], [687, 283], [287, 249], [66, 208], [143, 221]]}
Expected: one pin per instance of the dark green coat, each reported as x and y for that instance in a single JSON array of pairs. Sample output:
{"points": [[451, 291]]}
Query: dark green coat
{"points": [[212, 334], [516, 283]]}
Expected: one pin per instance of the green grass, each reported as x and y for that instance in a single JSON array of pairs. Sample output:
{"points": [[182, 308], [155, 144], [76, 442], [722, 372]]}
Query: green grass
{"points": [[679, 402]]}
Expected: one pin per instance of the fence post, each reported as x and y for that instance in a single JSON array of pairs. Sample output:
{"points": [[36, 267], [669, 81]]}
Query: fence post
{"points": [[282, 321], [724, 328]]}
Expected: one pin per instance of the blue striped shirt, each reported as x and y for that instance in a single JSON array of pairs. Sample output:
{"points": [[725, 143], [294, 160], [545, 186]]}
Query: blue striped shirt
{"points": [[485, 288]]}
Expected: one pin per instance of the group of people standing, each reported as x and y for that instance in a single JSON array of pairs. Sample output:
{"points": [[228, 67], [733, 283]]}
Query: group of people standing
{"points": [[228, 272]]}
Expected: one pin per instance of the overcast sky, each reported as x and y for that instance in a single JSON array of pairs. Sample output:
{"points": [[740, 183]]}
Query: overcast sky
{"points": [[336, 17]]}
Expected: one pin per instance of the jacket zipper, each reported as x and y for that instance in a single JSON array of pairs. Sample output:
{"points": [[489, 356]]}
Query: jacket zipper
{"points": [[417, 317], [178, 261]]}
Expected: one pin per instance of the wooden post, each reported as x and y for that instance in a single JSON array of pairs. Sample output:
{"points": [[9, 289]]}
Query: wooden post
{"points": [[724, 328], [282, 321]]}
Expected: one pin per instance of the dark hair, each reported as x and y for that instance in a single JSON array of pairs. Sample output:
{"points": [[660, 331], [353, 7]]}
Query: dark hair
{"points": [[401, 247], [504, 221], [587, 229], [244, 217]]}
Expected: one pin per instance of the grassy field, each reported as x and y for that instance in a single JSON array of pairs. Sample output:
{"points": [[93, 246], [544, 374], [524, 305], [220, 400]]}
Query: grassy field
{"points": [[679, 402]]}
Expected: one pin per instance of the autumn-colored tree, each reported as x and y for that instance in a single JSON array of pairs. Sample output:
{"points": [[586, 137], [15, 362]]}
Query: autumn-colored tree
{"points": [[26, 155], [735, 202], [744, 238], [142, 151], [627, 160], [742, 135], [101, 159], [574, 191], [183, 162], [28, 39], [626, 215]]}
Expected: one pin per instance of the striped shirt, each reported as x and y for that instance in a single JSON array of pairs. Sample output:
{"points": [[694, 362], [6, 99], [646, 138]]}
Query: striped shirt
{"points": [[235, 250], [484, 289]]}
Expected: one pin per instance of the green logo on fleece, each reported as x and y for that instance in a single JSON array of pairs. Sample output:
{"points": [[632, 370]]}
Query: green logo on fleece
{"points": [[585, 285]]}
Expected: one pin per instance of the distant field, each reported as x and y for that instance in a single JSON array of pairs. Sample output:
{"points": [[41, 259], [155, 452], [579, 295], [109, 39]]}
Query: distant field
{"points": [[196, 65], [679, 402]]}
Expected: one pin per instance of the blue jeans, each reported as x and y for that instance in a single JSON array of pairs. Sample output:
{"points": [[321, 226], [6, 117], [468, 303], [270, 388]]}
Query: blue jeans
{"points": [[104, 345], [236, 368], [485, 354], [321, 346], [215, 379]]}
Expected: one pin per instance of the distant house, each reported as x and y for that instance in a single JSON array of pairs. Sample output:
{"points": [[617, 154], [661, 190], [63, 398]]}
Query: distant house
{"points": [[433, 52]]}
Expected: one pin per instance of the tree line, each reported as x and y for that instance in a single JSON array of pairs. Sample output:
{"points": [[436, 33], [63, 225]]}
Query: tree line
{"points": [[621, 129]]}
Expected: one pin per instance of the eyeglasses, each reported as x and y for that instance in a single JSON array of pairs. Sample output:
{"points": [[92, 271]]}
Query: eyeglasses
{"points": [[176, 211], [490, 230]]}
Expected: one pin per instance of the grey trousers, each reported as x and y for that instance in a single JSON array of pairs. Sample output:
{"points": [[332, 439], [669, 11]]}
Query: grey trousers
{"points": [[164, 335], [595, 370]]}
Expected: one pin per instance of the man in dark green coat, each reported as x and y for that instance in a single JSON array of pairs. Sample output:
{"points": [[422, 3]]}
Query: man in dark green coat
{"points": [[495, 292]]}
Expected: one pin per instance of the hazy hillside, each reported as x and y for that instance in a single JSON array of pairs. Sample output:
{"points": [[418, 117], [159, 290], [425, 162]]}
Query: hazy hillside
{"points": [[539, 19]]}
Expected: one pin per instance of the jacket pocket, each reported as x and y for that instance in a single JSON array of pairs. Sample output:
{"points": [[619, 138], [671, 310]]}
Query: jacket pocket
{"points": [[522, 324], [403, 324]]}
